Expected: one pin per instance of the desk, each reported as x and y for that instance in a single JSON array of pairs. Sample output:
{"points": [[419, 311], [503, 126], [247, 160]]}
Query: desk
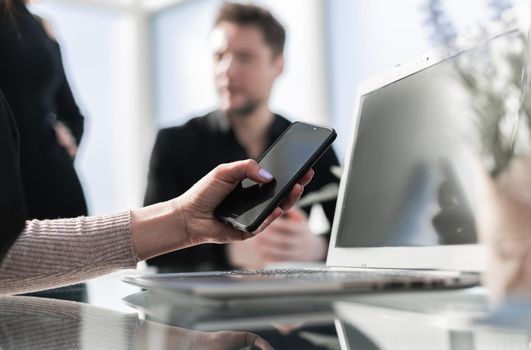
{"points": [[406, 320]]}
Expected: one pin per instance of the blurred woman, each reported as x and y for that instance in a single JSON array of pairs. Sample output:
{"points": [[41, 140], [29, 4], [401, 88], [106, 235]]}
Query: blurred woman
{"points": [[49, 122]]}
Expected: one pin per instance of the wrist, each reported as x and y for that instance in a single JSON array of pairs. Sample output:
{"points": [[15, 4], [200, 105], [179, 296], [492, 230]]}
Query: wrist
{"points": [[180, 216], [158, 229]]}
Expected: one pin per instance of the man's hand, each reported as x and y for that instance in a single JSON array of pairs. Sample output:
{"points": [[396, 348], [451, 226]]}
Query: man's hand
{"points": [[287, 239]]}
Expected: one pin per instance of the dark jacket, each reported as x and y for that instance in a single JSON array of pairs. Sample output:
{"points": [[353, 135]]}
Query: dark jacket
{"points": [[182, 155], [12, 209]]}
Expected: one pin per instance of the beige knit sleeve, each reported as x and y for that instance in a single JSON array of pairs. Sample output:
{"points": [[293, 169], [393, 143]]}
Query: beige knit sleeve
{"points": [[54, 253], [31, 323]]}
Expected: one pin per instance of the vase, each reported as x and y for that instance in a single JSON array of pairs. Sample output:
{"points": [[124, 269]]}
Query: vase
{"points": [[503, 221]]}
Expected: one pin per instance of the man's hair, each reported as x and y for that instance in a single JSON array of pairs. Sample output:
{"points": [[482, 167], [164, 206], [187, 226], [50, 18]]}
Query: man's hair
{"points": [[257, 16], [7, 11], [7, 7]]}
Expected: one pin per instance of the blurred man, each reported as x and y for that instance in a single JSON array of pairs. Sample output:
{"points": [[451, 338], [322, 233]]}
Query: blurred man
{"points": [[247, 44]]}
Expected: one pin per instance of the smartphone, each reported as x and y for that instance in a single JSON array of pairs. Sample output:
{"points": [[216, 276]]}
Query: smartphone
{"points": [[288, 159]]}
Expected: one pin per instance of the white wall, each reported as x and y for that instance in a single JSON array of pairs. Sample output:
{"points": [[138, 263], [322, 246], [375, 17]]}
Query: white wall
{"points": [[365, 37], [107, 64], [89, 40], [183, 67], [332, 46]]}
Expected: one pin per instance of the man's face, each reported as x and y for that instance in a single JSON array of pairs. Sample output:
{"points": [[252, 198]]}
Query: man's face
{"points": [[244, 67]]}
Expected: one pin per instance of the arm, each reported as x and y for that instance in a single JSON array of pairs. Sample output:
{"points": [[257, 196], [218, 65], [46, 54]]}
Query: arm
{"points": [[40, 323], [188, 220], [52, 253], [69, 125], [68, 113], [179, 338]]}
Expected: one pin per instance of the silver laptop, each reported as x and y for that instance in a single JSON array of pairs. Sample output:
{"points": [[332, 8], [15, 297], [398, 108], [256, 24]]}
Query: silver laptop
{"points": [[404, 216]]}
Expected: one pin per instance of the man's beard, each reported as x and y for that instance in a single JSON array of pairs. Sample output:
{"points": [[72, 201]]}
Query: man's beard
{"points": [[244, 111]]}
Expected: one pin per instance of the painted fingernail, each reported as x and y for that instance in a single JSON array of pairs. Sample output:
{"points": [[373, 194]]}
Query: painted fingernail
{"points": [[265, 174]]}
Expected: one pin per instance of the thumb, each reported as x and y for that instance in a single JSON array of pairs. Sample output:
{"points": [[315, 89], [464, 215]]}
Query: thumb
{"points": [[236, 171]]}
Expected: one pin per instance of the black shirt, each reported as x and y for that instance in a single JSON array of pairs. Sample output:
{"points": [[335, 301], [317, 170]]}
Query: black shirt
{"points": [[12, 209], [182, 155]]}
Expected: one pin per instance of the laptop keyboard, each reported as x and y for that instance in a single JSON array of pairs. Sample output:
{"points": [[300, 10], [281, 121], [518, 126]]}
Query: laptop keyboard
{"points": [[373, 279]]}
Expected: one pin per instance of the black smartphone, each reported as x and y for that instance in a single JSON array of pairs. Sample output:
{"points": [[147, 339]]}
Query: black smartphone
{"points": [[288, 159]]}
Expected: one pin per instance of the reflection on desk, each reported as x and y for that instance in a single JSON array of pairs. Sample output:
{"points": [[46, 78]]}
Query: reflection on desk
{"points": [[449, 320], [249, 314], [296, 322], [37, 323], [435, 321]]}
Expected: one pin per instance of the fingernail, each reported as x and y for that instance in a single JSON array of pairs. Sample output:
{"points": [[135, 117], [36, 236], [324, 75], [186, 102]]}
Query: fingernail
{"points": [[265, 174]]}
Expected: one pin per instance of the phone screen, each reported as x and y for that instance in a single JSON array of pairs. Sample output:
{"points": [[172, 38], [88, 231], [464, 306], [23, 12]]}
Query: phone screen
{"points": [[288, 159]]}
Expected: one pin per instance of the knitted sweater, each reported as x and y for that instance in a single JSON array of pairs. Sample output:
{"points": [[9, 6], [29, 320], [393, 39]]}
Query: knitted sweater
{"points": [[54, 253], [40, 324]]}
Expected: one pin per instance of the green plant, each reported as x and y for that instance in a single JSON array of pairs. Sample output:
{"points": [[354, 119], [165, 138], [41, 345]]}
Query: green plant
{"points": [[496, 78]]}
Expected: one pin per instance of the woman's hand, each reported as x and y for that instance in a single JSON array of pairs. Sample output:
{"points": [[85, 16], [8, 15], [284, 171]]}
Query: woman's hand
{"points": [[151, 335], [189, 219], [198, 203]]}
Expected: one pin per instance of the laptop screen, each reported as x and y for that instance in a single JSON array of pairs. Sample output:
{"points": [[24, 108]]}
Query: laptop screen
{"points": [[409, 180]]}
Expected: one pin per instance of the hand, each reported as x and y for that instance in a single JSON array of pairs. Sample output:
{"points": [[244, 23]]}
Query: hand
{"points": [[150, 335], [65, 138], [229, 340], [198, 203], [189, 219], [288, 239]]}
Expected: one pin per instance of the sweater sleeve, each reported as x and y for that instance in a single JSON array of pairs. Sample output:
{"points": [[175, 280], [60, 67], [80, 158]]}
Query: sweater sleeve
{"points": [[40, 323], [54, 253]]}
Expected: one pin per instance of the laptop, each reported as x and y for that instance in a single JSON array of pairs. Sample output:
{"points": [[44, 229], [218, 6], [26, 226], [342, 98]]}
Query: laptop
{"points": [[404, 215]]}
